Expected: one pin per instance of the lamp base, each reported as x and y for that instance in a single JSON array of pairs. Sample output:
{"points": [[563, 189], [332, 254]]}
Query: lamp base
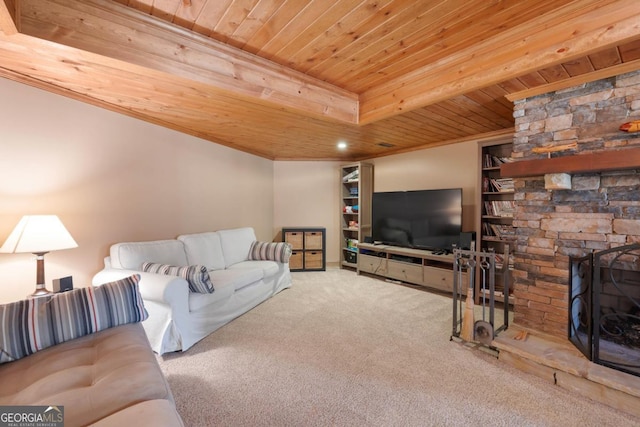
{"points": [[40, 292]]}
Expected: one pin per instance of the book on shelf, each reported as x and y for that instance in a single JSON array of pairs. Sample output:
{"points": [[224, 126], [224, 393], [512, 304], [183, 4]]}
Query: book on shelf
{"points": [[486, 185], [500, 261], [501, 208], [491, 161], [501, 231], [352, 244], [352, 176], [502, 185]]}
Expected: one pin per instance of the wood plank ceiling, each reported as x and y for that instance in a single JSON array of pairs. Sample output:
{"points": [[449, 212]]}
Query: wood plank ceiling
{"points": [[288, 79]]}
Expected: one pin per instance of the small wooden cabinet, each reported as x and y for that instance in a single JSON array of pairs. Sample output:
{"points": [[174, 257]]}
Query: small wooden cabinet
{"points": [[308, 248]]}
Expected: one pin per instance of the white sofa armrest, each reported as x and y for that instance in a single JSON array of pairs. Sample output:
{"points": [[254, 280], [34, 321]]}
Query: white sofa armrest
{"points": [[170, 290]]}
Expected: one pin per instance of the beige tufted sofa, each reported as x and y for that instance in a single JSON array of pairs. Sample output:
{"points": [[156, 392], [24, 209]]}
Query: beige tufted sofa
{"points": [[108, 378], [85, 354]]}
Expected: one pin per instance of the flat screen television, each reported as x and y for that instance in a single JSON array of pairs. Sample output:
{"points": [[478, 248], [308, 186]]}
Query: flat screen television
{"points": [[422, 219]]}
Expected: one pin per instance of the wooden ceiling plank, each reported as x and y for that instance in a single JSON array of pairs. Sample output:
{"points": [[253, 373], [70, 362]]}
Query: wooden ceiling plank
{"points": [[505, 134], [490, 62], [274, 26], [256, 19], [578, 66], [385, 33], [498, 114], [512, 85], [339, 34], [605, 58], [440, 120], [165, 9], [457, 28], [212, 12], [161, 46], [554, 73], [630, 51], [9, 16], [309, 14], [319, 26], [474, 121], [235, 15], [533, 79], [512, 42], [498, 93], [186, 15]]}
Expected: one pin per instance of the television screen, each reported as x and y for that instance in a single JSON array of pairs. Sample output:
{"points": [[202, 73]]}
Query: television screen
{"points": [[423, 219]]}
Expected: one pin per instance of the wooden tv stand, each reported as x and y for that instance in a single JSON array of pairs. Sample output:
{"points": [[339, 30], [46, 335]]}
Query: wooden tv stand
{"points": [[419, 267]]}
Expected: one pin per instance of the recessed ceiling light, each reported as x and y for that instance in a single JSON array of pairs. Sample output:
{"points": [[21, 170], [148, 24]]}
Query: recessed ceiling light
{"points": [[342, 145]]}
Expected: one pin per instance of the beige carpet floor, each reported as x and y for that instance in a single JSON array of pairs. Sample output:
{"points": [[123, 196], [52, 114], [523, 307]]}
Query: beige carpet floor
{"points": [[338, 349]]}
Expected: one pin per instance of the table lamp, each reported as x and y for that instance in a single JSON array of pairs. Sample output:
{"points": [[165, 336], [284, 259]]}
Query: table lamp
{"points": [[38, 234]]}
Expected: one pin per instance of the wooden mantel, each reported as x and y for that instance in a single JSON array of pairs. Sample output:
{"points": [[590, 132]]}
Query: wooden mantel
{"points": [[579, 163]]}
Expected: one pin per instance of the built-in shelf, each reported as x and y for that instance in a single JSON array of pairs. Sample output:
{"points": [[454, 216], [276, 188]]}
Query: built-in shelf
{"points": [[356, 187]]}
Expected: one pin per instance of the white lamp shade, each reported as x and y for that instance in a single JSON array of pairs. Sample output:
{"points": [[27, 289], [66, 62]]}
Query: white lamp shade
{"points": [[37, 234]]}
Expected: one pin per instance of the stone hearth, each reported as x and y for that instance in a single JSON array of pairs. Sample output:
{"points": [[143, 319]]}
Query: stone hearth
{"points": [[557, 361]]}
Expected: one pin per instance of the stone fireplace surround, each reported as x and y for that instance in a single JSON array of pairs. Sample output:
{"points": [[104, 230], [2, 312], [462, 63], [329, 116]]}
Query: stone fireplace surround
{"points": [[600, 211]]}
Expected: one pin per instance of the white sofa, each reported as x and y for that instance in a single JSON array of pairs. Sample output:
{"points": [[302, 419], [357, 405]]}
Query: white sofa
{"points": [[179, 318]]}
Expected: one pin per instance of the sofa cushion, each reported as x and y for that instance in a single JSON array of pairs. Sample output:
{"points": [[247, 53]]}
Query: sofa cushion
{"points": [[269, 268], [236, 244], [270, 251], [131, 255], [31, 325], [196, 275], [204, 249], [94, 377], [236, 278]]}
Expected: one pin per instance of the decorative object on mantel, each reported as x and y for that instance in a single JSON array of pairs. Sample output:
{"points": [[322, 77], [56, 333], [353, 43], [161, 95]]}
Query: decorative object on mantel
{"points": [[38, 234], [555, 148], [557, 181], [633, 126]]}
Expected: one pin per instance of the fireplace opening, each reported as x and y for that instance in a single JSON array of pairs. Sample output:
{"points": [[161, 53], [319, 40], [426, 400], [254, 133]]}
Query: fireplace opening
{"points": [[604, 307]]}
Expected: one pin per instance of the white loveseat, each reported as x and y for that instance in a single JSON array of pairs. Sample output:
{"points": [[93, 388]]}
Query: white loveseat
{"points": [[178, 317]]}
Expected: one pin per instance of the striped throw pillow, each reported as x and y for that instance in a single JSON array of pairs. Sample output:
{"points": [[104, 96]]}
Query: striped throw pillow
{"points": [[34, 324], [196, 275], [271, 251]]}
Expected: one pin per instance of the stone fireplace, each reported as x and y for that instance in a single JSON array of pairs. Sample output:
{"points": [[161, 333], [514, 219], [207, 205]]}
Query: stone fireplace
{"points": [[600, 211]]}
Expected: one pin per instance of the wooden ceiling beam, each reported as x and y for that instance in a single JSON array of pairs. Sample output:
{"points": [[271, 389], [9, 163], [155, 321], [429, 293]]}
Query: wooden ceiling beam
{"points": [[9, 14], [114, 31], [579, 29]]}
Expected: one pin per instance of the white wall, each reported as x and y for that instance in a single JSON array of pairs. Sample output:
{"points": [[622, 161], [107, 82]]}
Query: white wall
{"points": [[306, 194], [448, 166], [113, 178]]}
